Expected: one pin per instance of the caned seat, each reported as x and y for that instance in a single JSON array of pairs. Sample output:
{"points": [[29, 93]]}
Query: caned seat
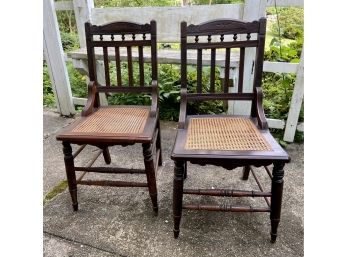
{"points": [[224, 133], [228, 141], [133, 124], [104, 126]]}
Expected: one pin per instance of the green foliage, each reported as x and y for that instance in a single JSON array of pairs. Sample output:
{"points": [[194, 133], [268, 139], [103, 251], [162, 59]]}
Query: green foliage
{"points": [[282, 53], [66, 21], [169, 91], [135, 3], [48, 96], [70, 41], [78, 82], [277, 89], [291, 20], [206, 2]]}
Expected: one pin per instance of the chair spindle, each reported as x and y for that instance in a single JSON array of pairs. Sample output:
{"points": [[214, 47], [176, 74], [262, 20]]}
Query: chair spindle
{"points": [[212, 70], [130, 66], [118, 66], [199, 71], [227, 70], [141, 65], [106, 66], [241, 69]]}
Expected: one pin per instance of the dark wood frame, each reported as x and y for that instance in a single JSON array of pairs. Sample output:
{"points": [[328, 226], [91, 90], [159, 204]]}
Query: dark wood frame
{"points": [[227, 159], [150, 138]]}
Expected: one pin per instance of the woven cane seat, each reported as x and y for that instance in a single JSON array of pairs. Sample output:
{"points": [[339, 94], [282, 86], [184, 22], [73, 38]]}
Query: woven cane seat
{"points": [[224, 133], [122, 120]]}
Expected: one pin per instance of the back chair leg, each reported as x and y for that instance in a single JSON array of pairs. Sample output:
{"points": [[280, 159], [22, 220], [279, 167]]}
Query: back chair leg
{"points": [[106, 155], [276, 198], [246, 171], [150, 175], [185, 170], [179, 171], [70, 173], [158, 143]]}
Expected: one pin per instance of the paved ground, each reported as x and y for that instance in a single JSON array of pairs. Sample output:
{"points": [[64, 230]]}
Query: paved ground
{"points": [[119, 221]]}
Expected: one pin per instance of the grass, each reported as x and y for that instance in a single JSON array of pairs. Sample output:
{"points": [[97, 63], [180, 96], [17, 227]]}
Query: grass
{"points": [[55, 191]]}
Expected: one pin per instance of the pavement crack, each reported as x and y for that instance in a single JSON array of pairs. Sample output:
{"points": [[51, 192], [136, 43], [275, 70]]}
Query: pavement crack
{"points": [[81, 243]]}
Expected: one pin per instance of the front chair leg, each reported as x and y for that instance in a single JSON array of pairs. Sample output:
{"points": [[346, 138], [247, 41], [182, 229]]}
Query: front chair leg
{"points": [[276, 198], [150, 175], [179, 171], [246, 171], [70, 173], [106, 155]]}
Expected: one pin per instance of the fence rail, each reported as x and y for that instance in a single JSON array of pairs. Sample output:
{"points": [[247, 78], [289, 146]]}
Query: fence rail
{"points": [[250, 10]]}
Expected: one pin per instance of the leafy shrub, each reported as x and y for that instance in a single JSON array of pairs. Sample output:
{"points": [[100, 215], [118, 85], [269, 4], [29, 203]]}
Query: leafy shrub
{"points": [[48, 96], [70, 41], [291, 20], [78, 82]]}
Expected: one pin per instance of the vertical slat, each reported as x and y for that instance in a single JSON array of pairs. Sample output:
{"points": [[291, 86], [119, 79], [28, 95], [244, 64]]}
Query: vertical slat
{"points": [[296, 103], [212, 70], [227, 70], [241, 69], [118, 66], [153, 49], [106, 66], [90, 53], [199, 71], [130, 66], [141, 65], [92, 73], [260, 53], [183, 55]]}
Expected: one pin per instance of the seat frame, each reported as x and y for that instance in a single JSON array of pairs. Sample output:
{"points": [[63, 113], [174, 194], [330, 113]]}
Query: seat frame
{"points": [[150, 138], [227, 159]]}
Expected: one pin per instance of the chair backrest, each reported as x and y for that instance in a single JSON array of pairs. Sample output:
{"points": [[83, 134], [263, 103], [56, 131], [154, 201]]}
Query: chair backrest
{"points": [[225, 34], [114, 37]]}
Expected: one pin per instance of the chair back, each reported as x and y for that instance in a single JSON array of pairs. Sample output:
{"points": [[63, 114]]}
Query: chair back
{"points": [[222, 34], [108, 41]]}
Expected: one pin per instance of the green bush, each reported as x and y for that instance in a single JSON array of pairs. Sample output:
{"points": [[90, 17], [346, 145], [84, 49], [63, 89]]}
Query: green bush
{"points": [[78, 82], [70, 41], [291, 20], [48, 96]]}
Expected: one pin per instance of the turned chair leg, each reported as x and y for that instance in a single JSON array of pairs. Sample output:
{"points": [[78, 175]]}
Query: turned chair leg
{"points": [[106, 154], [276, 198], [150, 175], [246, 171], [185, 170], [158, 143], [179, 171], [70, 173]]}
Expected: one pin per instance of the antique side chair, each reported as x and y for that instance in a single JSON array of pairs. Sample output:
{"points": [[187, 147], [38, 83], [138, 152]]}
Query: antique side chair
{"points": [[104, 126], [226, 140]]}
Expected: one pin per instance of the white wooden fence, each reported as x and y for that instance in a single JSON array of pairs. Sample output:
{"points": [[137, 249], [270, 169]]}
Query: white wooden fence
{"points": [[167, 17]]}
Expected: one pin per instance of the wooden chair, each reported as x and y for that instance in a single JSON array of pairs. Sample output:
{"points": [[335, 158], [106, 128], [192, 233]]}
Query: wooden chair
{"points": [[104, 126], [226, 140]]}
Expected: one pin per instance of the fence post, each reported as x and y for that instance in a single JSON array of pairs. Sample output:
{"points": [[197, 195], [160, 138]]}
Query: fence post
{"points": [[82, 10], [253, 10], [296, 103], [54, 56]]}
